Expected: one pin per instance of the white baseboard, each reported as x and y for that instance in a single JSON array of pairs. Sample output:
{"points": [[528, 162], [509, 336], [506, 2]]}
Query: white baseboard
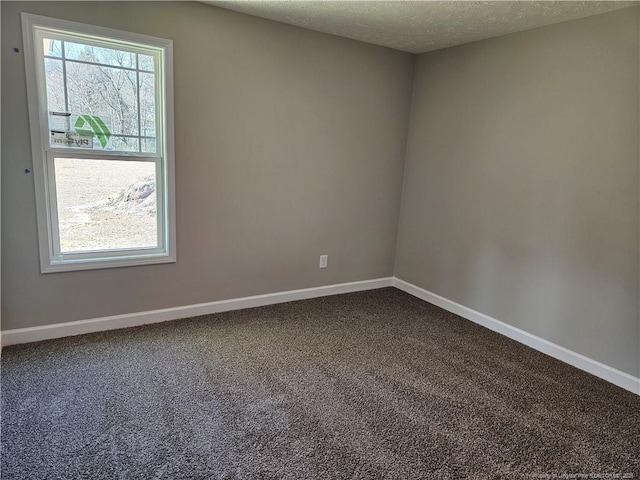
{"points": [[47, 332], [610, 374]]}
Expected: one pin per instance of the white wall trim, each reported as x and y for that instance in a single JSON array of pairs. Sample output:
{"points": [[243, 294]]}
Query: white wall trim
{"points": [[47, 332], [58, 330], [610, 374]]}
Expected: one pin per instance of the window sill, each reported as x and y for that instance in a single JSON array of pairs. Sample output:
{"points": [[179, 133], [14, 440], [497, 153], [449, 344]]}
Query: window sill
{"points": [[113, 262]]}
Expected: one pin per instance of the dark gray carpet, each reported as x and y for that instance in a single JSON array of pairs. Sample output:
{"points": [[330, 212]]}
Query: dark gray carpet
{"points": [[367, 385]]}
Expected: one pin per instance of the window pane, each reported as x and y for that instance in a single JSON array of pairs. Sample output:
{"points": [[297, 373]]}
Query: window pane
{"points": [[147, 105], [145, 62], [105, 204], [52, 48], [125, 144], [105, 56], [104, 91], [149, 145], [55, 85]]}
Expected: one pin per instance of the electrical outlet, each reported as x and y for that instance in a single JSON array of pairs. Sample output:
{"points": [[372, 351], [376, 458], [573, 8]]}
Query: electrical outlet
{"points": [[323, 261]]}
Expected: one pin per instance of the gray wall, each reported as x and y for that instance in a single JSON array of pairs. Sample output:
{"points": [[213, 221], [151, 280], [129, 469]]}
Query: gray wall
{"points": [[520, 191], [289, 144], [520, 194]]}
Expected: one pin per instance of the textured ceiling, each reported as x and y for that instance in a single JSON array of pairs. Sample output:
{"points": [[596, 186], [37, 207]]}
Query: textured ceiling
{"points": [[419, 26]]}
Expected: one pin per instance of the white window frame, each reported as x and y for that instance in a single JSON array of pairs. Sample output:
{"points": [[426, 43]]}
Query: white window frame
{"points": [[51, 258]]}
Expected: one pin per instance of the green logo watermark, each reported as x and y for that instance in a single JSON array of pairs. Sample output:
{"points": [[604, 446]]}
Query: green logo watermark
{"points": [[97, 128]]}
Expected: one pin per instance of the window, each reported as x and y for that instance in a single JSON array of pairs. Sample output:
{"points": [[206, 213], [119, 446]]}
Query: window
{"points": [[100, 108]]}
